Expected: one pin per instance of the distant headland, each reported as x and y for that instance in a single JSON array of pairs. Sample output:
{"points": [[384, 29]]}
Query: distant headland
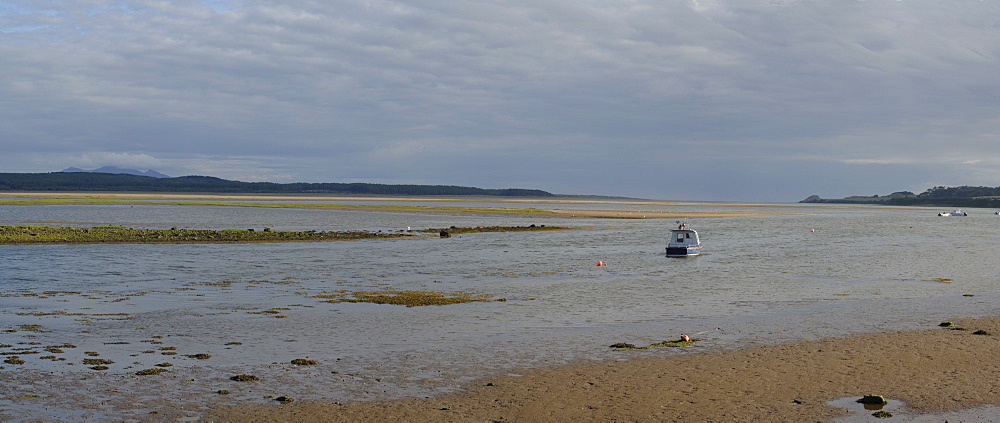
{"points": [[963, 196], [111, 179]]}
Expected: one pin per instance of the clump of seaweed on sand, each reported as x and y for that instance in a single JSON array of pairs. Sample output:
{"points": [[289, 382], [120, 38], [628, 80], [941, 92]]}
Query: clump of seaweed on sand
{"points": [[683, 341], [408, 298]]}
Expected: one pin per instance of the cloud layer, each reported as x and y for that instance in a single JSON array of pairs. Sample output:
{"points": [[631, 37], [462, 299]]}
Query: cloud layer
{"points": [[699, 100]]}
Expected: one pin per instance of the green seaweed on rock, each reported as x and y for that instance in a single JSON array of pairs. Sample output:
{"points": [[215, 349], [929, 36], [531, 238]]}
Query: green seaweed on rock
{"points": [[873, 399], [622, 346]]}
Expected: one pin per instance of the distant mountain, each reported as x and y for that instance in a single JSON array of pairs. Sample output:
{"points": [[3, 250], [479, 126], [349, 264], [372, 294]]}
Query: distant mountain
{"points": [[118, 170]]}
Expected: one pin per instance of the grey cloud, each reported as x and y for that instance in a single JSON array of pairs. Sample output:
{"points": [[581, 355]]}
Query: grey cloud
{"points": [[519, 93]]}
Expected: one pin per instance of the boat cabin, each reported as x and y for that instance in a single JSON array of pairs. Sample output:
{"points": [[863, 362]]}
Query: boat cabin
{"points": [[683, 242]]}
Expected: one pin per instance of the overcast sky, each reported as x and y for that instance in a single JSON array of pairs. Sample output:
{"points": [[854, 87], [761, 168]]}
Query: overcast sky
{"points": [[749, 100]]}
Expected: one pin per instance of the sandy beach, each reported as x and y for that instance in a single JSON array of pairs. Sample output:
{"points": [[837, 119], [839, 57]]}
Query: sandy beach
{"points": [[930, 371]]}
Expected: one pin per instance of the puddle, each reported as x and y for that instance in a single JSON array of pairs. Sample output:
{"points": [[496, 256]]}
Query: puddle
{"points": [[900, 413], [867, 412]]}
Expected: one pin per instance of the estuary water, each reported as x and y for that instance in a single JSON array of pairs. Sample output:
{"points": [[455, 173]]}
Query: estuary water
{"points": [[826, 271]]}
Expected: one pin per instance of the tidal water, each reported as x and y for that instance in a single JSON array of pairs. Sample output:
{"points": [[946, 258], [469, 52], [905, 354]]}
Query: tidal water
{"points": [[827, 271]]}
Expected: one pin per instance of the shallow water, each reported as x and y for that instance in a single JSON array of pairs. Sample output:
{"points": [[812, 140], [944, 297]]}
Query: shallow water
{"points": [[253, 307]]}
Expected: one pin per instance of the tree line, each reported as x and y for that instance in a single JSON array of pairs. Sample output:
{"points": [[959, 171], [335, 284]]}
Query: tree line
{"points": [[87, 181], [962, 196]]}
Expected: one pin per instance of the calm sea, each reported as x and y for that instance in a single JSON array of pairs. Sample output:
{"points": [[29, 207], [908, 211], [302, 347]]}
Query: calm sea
{"points": [[828, 271]]}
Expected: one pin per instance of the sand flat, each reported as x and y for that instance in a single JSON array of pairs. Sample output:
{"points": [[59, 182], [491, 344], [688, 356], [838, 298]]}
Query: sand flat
{"points": [[595, 212], [931, 371]]}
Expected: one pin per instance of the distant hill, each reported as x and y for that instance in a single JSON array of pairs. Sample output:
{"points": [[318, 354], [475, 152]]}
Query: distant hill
{"points": [[963, 196], [101, 181], [113, 169]]}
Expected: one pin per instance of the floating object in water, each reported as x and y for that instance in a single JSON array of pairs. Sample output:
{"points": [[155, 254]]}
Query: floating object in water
{"points": [[599, 263], [685, 338], [683, 242], [812, 230]]}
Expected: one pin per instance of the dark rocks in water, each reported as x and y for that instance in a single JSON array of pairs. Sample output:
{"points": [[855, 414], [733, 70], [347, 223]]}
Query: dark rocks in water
{"points": [[980, 332], [14, 360], [873, 399], [882, 414], [622, 345], [244, 378], [445, 234], [199, 356]]}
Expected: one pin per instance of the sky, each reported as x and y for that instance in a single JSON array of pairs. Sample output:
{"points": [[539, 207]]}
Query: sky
{"points": [[698, 100]]}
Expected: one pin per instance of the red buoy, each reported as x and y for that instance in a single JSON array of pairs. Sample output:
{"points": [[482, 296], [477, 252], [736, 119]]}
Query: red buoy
{"points": [[600, 263]]}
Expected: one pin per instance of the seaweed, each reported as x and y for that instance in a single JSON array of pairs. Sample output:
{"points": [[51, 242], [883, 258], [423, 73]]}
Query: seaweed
{"points": [[118, 234], [407, 298], [622, 346], [199, 356]]}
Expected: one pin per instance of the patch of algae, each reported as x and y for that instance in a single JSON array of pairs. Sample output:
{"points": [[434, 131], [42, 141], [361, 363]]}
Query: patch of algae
{"points": [[408, 298], [621, 346]]}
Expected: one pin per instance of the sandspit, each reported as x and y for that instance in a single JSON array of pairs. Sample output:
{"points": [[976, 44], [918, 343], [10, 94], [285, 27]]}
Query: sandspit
{"points": [[331, 202]]}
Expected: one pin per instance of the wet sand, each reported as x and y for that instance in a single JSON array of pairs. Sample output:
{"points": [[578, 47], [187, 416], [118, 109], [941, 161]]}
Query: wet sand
{"points": [[931, 371], [563, 212]]}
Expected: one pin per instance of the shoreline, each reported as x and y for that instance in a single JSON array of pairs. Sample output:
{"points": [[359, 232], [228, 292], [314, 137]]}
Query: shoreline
{"points": [[935, 370]]}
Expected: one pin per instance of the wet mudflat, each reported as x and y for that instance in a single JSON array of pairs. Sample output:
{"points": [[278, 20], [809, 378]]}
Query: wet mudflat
{"points": [[80, 322]]}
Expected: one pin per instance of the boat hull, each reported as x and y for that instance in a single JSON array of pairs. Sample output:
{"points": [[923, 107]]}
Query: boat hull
{"points": [[683, 251]]}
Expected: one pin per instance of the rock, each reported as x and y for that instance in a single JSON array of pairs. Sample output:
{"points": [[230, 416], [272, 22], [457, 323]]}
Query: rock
{"points": [[873, 399]]}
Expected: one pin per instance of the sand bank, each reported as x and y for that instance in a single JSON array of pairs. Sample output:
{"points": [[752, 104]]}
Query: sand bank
{"points": [[596, 212], [930, 371]]}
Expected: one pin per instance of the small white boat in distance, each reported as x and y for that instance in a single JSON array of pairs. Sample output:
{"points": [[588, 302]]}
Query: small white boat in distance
{"points": [[683, 242], [957, 212]]}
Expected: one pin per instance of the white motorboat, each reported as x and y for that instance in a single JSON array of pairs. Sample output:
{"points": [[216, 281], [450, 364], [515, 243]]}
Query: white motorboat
{"points": [[683, 242]]}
